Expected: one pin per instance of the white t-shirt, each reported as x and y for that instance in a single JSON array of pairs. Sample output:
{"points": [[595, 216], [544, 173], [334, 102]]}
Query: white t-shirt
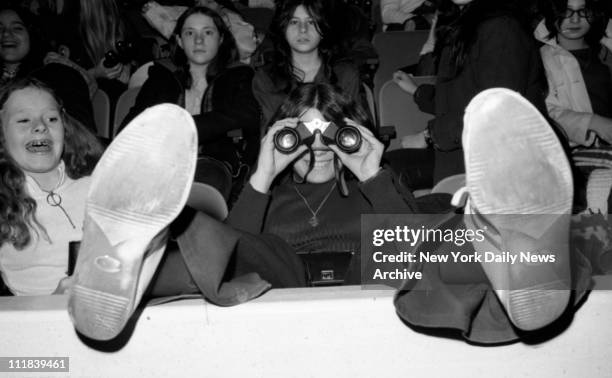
{"points": [[38, 268]]}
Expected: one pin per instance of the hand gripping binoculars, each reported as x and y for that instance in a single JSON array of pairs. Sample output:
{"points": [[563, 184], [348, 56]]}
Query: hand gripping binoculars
{"points": [[124, 53], [347, 138]]}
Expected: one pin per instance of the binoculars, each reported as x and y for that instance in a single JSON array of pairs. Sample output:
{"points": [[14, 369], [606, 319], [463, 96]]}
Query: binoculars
{"points": [[123, 54], [347, 138]]}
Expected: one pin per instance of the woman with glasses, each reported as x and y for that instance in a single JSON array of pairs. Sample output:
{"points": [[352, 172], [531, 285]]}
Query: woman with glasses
{"points": [[580, 96], [580, 87]]}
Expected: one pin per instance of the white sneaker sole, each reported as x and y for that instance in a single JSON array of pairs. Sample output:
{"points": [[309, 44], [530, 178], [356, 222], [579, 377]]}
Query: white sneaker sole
{"points": [[503, 132], [139, 186]]}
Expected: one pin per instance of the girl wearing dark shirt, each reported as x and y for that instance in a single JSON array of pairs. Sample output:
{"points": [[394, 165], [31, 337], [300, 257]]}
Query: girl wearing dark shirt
{"points": [[304, 52], [316, 206], [480, 44]]}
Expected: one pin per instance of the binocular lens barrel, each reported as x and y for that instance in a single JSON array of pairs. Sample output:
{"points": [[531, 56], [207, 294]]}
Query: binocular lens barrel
{"points": [[348, 139], [286, 140]]}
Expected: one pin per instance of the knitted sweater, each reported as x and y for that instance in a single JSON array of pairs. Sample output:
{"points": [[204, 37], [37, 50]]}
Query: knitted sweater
{"points": [[37, 269], [283, 211]]}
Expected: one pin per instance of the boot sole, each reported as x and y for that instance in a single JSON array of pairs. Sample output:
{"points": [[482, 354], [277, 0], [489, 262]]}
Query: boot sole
{"points": [[532, 296], [139, 186]]}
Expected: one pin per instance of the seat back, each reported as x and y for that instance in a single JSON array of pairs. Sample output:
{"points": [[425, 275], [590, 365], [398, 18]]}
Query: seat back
{"points": [[101, 112], [369, 96], [450, 184], [124, 104], [260, 18], [140, 75], [397, 108], [396, 49]]}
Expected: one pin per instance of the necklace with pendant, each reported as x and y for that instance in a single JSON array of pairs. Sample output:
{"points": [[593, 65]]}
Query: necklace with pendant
{"points": [[55, 200], [314, 221]]}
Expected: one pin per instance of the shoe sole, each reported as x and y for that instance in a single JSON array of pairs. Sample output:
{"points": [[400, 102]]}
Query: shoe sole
{"points": [[533, 295], [138, 187]]}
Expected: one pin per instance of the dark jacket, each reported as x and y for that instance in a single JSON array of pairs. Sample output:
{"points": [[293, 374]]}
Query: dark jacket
{"points": [[271, 92], [230, 102], [503, 54], [285, 213]]}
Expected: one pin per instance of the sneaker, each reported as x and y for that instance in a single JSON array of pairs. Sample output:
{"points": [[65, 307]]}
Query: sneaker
{"points": [[520, 193], [138, 187]]}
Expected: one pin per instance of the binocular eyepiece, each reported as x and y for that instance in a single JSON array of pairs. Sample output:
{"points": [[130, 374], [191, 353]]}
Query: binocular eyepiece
{"points": [[347, 138]]}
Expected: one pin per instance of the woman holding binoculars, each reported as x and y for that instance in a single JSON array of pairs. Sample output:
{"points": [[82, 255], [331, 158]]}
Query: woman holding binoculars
{"points": [[313, 195]]}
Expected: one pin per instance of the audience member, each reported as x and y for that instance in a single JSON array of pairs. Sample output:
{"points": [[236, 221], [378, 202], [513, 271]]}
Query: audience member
{"points": [[580, 85], [314, 200], [45, 158], [95, 36], [21, 54], [163, 19], [205, 77], [480, 44], [304, 51]]}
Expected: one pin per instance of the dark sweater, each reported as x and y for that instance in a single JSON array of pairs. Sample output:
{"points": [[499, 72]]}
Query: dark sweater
{"points": [[282, 212], [233, 107], [270, 91]]}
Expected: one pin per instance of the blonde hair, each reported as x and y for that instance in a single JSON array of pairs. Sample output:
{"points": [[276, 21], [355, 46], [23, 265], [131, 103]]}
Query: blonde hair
{"points": [[100, 27]]}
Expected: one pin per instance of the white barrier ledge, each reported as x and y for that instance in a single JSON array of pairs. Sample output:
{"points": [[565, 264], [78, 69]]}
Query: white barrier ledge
{"points": [[341, 331]]}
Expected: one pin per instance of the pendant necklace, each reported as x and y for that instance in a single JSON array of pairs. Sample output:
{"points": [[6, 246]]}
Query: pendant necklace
{"points": [[314, 221], [55, 200]]}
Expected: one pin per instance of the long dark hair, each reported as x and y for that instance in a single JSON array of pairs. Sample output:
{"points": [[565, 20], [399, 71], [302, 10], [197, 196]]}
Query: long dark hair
{"points": [[457, 26], [282, 68], [17, 209], [227, 54], [38, 48], [552, 10], [333, 105]]}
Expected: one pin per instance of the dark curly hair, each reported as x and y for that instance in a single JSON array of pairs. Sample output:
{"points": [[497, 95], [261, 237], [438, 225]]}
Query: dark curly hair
{"points": [[334, 107], [227, 55], [17, 209], [553, 9], [282, 68]]}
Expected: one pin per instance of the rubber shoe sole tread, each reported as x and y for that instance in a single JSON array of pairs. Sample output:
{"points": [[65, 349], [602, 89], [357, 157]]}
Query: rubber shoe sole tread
{"points": [[516, 166], [138, 187]]}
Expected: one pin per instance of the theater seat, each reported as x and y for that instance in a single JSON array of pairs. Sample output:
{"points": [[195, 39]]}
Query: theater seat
{"points": [[140, 75], [101, 112], [450, 184], [395, 50], [397, 108], [124, 104]]}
